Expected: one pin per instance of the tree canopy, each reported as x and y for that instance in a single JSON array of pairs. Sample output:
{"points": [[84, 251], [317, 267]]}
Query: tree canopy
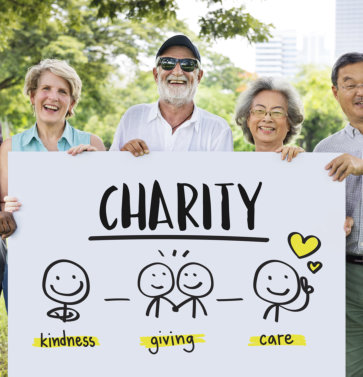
{"points": [[218, 22], [323, 115], [91, 45], [93, 42]]}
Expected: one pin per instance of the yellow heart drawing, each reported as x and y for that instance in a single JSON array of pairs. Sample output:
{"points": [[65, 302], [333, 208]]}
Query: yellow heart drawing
{"points": [[314, 267], [301, 246]]}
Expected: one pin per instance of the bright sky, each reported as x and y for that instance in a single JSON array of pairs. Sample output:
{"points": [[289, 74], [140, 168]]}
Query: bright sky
{"points": [[306, 17]]}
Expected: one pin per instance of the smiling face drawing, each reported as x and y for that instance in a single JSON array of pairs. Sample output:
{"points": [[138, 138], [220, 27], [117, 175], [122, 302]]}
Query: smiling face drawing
{"points": [[66, 282], [276, 282], [195, 280], [156, 280]]}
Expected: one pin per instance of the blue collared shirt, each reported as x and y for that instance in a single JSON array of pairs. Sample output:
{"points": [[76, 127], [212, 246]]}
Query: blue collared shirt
{"points": [[29, 140], [349, 140]]}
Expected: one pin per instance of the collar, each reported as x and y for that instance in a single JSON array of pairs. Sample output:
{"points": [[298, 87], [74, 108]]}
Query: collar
{"points": [[155, 113], [352, 131], [33, 134]]}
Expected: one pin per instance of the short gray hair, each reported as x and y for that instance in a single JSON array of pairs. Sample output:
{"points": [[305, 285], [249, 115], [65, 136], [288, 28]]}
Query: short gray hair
{"points": [[59, 68], [348, 58], [295, 114]]}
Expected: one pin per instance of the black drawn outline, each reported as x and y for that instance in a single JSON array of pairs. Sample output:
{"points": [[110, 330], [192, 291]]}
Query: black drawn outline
{"points": [[117, 299], [229, 299], [304, 239], [156, 298], [176, 237], [194, 298], [317, 268], [302, 284], [64, 313]]}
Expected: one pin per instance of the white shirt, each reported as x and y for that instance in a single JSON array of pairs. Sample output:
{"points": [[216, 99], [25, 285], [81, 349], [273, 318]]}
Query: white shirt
{"points": [[202, 132]]}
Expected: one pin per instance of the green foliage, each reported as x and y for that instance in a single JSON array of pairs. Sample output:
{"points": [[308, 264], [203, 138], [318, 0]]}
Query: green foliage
{"points": [[15, 12], [228, 23], [217, 23], [142, 89], [239, 142], [220, 71], [136, 9], [73, 32], [322, 113], [220, 96], [91, 35], [3, 340]]}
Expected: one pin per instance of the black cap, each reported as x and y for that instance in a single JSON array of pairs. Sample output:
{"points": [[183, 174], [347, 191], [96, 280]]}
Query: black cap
{"points": [[179, 40]]}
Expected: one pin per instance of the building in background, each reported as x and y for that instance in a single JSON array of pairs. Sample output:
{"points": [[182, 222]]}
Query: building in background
{"points": [[278, 56], [348, 26], [315, 51], [284, 54]]}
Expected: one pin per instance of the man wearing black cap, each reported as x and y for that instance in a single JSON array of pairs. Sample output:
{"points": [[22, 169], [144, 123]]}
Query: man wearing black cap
{"points": [[174, 123]]}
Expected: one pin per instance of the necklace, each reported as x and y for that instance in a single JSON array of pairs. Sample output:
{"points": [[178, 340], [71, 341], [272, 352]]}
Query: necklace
{"points": [[179, 124]]}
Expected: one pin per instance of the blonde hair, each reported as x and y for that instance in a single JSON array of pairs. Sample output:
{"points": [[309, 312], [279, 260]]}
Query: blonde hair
{"points": [[59, 68]]}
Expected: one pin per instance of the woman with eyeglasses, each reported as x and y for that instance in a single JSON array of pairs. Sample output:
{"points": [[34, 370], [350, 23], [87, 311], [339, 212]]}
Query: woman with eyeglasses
{"points": [[54, 89], [270, 114]]}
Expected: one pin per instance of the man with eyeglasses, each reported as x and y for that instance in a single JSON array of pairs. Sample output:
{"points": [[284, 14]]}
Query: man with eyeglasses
{"points": [[174, 123], [347, 79]]}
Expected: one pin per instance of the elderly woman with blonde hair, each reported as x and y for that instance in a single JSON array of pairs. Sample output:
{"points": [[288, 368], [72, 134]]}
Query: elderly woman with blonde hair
{"points": [[270, 114], [54, 89]]}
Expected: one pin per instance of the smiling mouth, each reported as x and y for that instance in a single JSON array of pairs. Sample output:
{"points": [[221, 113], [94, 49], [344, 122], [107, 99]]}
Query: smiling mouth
{"points": [[266, 129], [278, 293], [157, 287], [195, 286], [69, 294], [51, 107], [177, 82]]}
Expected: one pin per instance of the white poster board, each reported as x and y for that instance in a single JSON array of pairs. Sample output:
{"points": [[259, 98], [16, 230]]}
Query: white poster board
{"points": [[176, 264]]}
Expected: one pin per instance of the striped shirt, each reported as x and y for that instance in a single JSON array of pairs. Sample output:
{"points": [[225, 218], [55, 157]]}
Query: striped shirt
{"points": [[349, 140]]}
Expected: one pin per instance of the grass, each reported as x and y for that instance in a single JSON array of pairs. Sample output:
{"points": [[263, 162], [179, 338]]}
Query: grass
{"points": [[3, 339]]}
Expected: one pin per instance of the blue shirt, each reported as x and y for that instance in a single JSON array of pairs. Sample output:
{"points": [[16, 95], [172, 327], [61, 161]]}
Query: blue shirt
{"points": [[29, 140], [349, 140]]}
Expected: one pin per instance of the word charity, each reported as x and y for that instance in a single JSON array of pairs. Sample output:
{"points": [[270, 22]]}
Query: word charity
{"points": [[186, 213]]}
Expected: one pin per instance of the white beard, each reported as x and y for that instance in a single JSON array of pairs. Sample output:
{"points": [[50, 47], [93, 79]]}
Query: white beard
{"points": [[178, 95]]}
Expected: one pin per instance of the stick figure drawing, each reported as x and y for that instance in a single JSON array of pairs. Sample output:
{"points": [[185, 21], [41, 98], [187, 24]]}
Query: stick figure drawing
{"points": [[195, 281], [65, 282], [279, 284], [156, 280]]}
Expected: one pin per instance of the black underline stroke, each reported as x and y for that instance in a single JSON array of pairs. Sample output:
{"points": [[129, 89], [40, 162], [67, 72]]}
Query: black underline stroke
{"points": [[177, 237], [229, 299], [117, 299]]}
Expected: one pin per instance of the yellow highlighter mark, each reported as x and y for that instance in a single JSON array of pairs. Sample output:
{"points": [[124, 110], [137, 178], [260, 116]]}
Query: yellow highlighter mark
{"points": [[154, 342], [65, 341], [278, 340]]}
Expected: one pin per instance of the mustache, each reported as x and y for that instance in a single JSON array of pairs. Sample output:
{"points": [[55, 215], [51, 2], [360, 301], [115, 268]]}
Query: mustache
{"points": [[180, 78]]}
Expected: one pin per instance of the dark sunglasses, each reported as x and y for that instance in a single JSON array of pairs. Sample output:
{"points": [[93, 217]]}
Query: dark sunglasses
{"points": [[187, 65]]}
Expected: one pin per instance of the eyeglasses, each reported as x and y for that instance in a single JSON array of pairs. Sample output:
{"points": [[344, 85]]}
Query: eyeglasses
{"points": [[274, 114], [187, 65], [351, 87]]}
